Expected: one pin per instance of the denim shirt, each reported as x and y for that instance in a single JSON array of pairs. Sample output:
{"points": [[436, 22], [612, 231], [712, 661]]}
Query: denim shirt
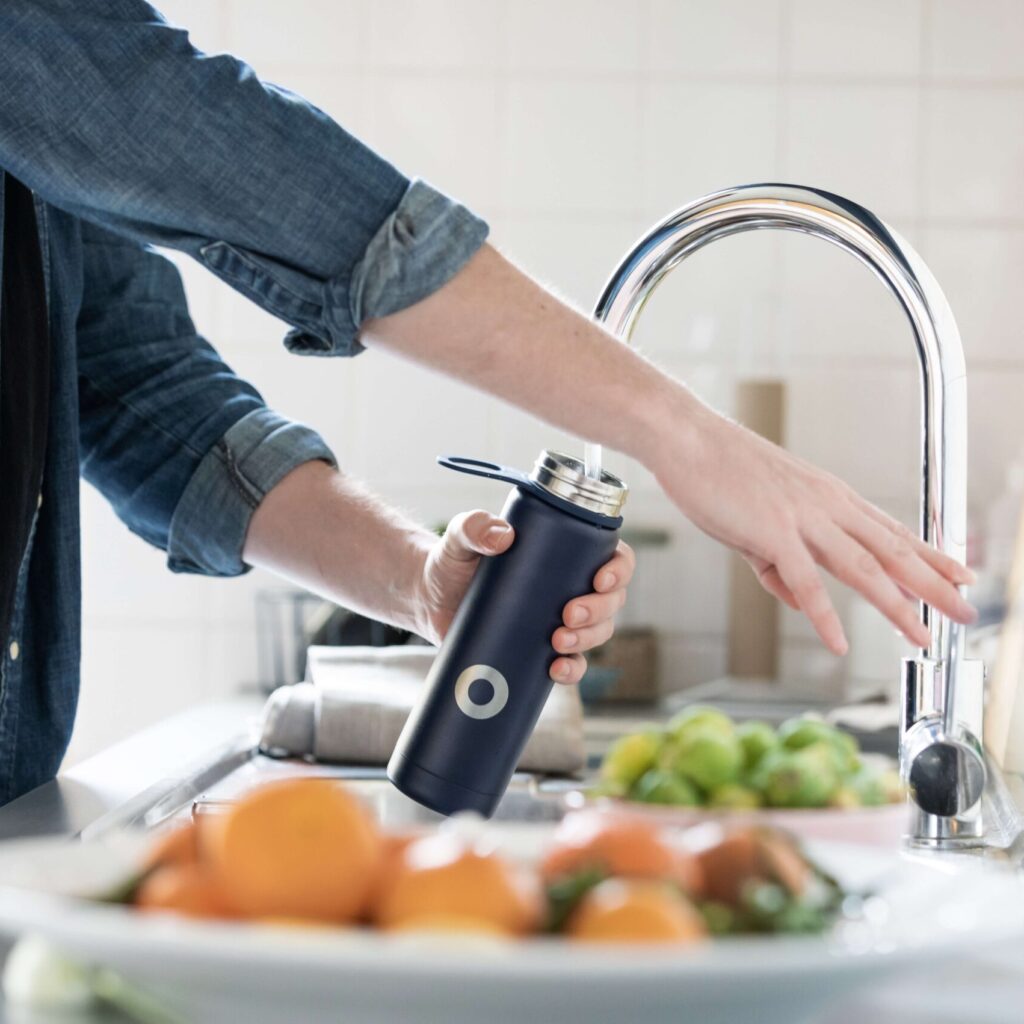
{"points": [[130, 138]]}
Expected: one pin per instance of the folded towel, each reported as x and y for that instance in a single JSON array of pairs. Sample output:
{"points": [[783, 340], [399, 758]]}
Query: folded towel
{"points": [[355, 701]]}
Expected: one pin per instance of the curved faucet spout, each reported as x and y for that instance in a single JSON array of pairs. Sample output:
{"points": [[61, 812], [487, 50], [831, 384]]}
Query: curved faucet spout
{"points": [[898, 267], [935, 719]]}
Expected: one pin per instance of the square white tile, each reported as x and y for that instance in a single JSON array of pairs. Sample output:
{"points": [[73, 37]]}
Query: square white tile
{"points": [[443, 130], [700, 138], [724, 37], [572, 36], [571, 147], [870, 38], [861, 424], [974, 152], [325, 33], [980, 270], [718, 306], [405, 416], [206, 22], [860, 141], [833, 308], [978, 39], [443, 35], [995, 436]]}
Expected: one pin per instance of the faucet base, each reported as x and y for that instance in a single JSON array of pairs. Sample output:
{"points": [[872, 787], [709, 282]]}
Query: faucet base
{"points": [[945, 773], [930, 832]]}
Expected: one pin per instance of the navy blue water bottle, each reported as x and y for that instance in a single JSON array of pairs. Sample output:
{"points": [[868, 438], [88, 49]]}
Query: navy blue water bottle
{"points": [[489, 681]]}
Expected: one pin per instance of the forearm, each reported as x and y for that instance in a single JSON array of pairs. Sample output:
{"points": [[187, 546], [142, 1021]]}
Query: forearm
{"points": [[328, 534], [497, 329]]}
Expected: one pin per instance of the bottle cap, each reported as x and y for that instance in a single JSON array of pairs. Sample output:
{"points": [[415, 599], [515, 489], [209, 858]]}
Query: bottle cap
{"points": [[566, 478]]}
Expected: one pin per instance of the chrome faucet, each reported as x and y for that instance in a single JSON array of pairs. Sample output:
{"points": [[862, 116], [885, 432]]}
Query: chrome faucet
{"points": [[941, 755]]}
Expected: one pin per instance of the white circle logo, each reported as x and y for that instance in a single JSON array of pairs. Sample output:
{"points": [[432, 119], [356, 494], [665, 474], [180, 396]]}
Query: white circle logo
{"points": [[499, 695]]}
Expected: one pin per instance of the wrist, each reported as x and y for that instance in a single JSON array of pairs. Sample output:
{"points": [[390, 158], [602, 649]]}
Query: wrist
{"points": [[669, 424], [409, 589]]}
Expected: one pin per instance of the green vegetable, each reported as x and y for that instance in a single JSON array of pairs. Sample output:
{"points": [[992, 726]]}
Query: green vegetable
{"points": [[735, 796], [702, 758], [658, 787], [757, 739], [565, 893], [799, 733], [629, 757], [700, 717], [892, 786], [706, 756], [845, 797], [719, 917], [869, 787], [800, 778]]}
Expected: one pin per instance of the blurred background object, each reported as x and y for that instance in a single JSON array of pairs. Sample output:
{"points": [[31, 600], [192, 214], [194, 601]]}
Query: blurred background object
{"points": [[910, 108]]}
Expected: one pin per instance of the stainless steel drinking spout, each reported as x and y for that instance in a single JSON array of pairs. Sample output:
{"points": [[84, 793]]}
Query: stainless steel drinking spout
{"points": [[941, 729]]}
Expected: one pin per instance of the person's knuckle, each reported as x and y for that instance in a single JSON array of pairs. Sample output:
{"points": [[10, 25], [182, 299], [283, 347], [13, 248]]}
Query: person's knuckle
{"points": [[867, 565]]}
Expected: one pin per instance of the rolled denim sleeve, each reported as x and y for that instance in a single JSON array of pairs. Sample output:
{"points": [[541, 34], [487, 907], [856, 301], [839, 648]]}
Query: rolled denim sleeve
{"points": [[110, 113], [207, 532], [182, 448]]}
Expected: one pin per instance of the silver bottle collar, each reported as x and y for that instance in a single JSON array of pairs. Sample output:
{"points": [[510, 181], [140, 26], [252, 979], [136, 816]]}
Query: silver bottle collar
{"points": [[566, 478]]}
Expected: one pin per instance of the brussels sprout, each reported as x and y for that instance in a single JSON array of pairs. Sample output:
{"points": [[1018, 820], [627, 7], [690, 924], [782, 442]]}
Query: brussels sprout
{"points": [[892, 786], [733, 795], [657, 787], [798, 733], [800, 778], [706, 756], [629, 757], [756, 739], [702, 717], [869, 787], [846, 798]]}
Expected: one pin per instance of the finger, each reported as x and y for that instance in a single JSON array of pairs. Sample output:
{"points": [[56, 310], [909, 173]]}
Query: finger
{"points": [[592, 608], [940, 562], [769, 578], [617, 571], [910, 571], [568, 641], [568, 670], [800, 575], [471, 534], [858, 568]]}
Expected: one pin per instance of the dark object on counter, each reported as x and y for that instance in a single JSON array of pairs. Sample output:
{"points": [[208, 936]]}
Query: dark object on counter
{"points": [[623, 669], [490, 679], [24, 386]]}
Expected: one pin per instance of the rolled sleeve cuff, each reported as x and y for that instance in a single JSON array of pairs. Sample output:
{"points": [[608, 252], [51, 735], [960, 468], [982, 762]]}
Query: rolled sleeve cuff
{"points": [[424, 243], [210, 522]]}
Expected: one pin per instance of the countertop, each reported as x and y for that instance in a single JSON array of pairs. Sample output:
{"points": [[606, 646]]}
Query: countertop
{"points": [[987, 989]]}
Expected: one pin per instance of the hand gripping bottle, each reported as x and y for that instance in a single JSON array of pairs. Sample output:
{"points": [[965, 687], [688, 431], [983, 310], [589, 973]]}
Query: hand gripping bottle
{"points": [[489, 681]]}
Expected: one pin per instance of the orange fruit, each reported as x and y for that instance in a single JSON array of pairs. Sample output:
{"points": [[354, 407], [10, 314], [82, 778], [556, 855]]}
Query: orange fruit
{"points": [[444, 877], [301, 848], [177, 845], [393, 847], [751, 853], [635, 910], [188, 889], [452, 924], [619, 844]]}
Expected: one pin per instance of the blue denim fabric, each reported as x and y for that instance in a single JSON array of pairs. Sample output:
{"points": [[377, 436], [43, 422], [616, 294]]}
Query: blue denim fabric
{"points": [[131, 138]]}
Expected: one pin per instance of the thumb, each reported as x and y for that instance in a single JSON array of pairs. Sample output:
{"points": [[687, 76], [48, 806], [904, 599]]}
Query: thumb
{"points": [[471, 534]]}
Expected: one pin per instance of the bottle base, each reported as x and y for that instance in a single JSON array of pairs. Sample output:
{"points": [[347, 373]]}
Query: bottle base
{"points": [[435, 793]]}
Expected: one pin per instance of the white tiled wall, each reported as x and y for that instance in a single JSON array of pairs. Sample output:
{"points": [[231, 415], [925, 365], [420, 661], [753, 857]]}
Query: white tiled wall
{"points": [[572, 125]]}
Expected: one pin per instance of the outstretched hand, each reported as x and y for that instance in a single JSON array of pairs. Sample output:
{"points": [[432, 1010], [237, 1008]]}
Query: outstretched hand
{"points": [[789, 520], [587, 621]]}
